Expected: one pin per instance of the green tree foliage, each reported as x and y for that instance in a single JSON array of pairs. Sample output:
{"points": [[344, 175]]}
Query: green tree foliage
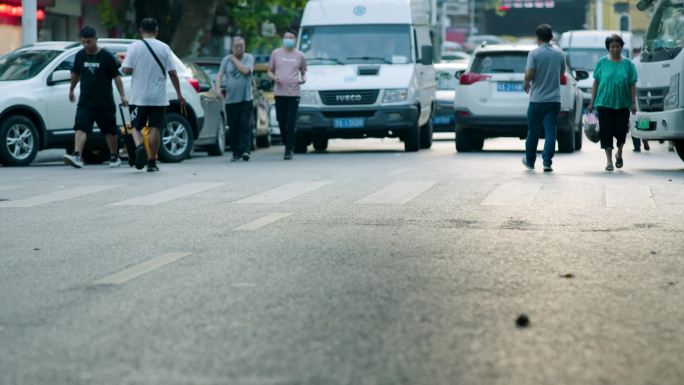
{"points": [[248, 16]]}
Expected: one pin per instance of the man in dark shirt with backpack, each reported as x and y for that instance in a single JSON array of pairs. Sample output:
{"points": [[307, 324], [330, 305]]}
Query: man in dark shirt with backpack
{"points": [[95, 68]]}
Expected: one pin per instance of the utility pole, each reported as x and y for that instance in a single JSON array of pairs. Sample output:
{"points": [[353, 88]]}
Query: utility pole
{"points": [[599, 15], [472, 17], [29, 22]]}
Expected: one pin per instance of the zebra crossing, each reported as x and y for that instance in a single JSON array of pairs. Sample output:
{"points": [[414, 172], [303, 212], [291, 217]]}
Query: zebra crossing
{"points": [[397, 193]]}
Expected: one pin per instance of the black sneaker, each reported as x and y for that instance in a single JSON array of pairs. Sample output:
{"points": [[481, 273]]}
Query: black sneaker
{"points": [[527, 165], [288, 156], [152, 166], [548, 169], [234, 159], [140, 157], [245, 156]]}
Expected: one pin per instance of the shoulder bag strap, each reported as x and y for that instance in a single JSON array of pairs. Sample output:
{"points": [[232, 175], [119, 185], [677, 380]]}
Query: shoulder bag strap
{"points": [[156, 58]]}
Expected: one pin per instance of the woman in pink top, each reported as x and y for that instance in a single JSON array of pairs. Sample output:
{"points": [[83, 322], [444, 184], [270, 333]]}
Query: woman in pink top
{"points": [[287, 68]]}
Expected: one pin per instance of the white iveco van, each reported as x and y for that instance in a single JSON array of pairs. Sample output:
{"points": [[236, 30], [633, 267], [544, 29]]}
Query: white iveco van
{"points": [[585, 48], [370, 72], [661, 75]]}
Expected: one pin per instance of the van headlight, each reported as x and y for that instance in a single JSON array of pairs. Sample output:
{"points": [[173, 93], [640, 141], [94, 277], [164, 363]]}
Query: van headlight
{"points": [[308, 98], [395, 96], [672, 99]]}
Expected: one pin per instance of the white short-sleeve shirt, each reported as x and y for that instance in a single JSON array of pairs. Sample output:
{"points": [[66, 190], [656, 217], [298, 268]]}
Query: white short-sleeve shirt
{"points": [[149, 82]]}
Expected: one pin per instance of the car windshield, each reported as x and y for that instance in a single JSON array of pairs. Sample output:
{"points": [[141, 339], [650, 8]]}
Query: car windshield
{"points": [[342, 44], [500, 62], [586, 58], [25, 64], [446, 80], [211, 69], [666, 30]]}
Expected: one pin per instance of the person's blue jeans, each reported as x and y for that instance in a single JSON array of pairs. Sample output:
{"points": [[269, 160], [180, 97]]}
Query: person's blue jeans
{"points": [[541, 116]]}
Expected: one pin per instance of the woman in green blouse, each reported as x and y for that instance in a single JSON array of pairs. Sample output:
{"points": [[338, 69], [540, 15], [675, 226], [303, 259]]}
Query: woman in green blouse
{"points": [[614, 96]]}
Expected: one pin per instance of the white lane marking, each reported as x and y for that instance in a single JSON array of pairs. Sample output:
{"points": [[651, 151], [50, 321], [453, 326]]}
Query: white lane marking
{"points": [[136, 271], [629, 196], [263, 222], [168, 194], [399, 171], [243, 284], [513, 194], [286, 192], [397, 193], [56, 196]]}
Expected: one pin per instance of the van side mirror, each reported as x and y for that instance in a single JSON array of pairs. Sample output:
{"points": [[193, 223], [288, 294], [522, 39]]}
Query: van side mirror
{"points": [[581, 75], [644, 4], [458, 74], [265, 85], [427, 54], [61, 76]]}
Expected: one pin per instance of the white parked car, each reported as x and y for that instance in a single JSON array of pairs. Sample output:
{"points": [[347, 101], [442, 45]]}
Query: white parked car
{"points": [[445, 114], [491, 102], [36, 114]]}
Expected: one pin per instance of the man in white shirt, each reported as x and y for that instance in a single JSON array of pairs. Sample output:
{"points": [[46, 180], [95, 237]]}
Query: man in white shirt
{"points": [[149, 60]]}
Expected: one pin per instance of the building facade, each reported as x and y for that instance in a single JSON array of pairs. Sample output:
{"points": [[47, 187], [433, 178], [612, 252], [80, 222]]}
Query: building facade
{"points": [[619, 15]]}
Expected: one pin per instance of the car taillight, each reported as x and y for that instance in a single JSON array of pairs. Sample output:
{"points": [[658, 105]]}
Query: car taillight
{"points": [[564, 79], [195, 84], [470, 78]]}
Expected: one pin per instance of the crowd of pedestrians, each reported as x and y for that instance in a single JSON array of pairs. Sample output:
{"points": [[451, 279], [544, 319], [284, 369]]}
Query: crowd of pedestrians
{"points": [[150, 61]]}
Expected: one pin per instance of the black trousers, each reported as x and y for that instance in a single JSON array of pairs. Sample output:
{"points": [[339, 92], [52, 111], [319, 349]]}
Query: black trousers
{"points": [[613, 124], [240, 127], [286, 113]]}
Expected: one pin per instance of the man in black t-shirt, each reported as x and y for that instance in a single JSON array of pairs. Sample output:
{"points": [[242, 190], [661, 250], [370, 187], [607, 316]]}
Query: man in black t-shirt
{"points": [[95, 68]]}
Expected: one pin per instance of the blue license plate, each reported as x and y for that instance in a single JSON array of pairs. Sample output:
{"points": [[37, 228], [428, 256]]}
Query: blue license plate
{"points": [[442, 120], [509, 87], [349, 123]]}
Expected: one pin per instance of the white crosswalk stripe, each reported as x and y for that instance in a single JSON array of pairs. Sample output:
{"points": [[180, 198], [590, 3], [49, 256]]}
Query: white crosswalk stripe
{"points": [[140, 269], [629, 196], [8, 187], [285, 193], [263, 222], [56, 196], [512, 194], [168, 194], [398, 193]]}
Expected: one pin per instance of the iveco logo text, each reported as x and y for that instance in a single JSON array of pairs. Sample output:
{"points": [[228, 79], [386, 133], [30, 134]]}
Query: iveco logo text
{"points": [[348, 98], [360, 10]]}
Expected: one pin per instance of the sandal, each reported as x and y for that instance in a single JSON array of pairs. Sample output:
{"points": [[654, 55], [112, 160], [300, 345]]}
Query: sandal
{"points": [[610, 167], [618, 162]]}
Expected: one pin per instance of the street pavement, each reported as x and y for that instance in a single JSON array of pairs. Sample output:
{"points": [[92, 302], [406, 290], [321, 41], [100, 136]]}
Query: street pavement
{"points": [[364, 265]]}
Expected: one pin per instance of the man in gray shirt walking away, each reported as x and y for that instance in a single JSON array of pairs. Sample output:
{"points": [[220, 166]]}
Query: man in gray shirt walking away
{"points": [[545, 66], [237, 71]]}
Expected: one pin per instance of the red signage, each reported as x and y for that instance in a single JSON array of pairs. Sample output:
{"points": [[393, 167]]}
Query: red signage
{"points": [[17, 11]]}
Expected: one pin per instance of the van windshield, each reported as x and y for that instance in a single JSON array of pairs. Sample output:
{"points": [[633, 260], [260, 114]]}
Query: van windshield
{"points": [[24, 65], [346, 44], [666, 30], [586, 58]]}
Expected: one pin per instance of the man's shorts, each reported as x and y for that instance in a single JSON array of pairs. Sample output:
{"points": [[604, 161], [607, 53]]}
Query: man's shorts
{"points": [[104, 117], [151, 116]]}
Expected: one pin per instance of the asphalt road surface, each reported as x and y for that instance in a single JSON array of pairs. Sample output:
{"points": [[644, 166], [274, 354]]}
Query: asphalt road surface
{"points": [[364, 265]]}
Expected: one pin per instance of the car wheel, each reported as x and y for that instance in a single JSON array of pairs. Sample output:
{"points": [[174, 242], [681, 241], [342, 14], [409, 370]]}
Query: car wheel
{"points": [[679, 146], [176, 139], [219, 147], [464, 142], [301, 143], [578, 136], [320, 143], [477, 143], [566, 141], [412, 139], [19, 141], [426, 132], [263, 141]]}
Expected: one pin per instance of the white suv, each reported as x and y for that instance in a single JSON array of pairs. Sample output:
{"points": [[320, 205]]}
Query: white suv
{"points": [[36, 114], [491, 102]]}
